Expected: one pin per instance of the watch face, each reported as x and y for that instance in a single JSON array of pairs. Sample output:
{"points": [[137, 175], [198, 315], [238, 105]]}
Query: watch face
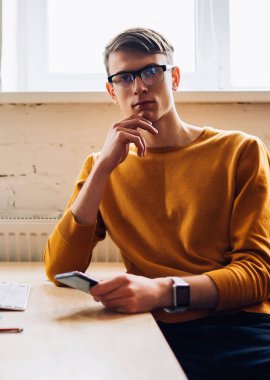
{"points": [[182, 296]]}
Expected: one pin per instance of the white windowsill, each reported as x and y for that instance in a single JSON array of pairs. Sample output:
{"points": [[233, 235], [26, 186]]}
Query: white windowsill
{"points": [[103, 97]]}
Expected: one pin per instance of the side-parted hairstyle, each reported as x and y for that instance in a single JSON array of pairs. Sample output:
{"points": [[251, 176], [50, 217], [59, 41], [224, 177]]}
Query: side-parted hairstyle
{"points": [[145, 40]]}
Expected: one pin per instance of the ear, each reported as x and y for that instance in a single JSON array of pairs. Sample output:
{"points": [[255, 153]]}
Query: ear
{"points": [[111, 92], [175, 78]]}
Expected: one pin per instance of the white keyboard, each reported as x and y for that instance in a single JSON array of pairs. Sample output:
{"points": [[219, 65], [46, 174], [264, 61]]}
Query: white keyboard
{"points": [[13, 295]]}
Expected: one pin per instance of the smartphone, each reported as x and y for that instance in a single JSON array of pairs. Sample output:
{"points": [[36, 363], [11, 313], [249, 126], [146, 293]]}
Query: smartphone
{"points": [[76, 280]]}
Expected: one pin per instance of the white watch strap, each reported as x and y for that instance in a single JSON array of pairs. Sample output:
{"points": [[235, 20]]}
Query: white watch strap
{"points": [[176, 281], [179, 280]]}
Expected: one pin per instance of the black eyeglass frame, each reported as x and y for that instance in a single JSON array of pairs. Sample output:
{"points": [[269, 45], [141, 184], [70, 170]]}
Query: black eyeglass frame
{"points": [[139, 72]]}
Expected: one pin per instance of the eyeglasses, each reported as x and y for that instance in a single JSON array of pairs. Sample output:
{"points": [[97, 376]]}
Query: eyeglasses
{"points": [[149, 75]]}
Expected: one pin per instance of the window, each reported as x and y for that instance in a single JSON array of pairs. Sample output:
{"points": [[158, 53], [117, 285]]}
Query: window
{"points": [[249, 48], [57, 45]]}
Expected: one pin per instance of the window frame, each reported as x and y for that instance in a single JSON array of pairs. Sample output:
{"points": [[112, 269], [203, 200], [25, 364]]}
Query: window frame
{"points": [[209, 76]]}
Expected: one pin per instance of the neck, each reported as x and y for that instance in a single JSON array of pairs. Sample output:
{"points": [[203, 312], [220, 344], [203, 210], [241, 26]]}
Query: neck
{"points": [[172, 131]]}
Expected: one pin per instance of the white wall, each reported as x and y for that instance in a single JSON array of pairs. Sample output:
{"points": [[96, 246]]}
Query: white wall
{"points": [[43, 146]]}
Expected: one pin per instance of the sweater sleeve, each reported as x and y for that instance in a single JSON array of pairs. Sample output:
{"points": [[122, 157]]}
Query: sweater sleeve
{"points": [[70, 245], [245, 280]]}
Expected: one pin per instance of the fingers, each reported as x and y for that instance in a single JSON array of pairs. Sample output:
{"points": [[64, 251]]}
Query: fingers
{"points": [[118, 302], [109, 286], [127, 293], [111, 290], [116, 294], [135, 122], [127, 136], [121, 134], [130, 126], [120, 306], [114, 297]]}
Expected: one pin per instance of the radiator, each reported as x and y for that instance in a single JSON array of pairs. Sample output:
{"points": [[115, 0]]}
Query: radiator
{"points": [[24, 239]]}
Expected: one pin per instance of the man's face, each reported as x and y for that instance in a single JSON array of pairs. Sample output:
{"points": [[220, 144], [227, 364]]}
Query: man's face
{"points": [[149, 101]]}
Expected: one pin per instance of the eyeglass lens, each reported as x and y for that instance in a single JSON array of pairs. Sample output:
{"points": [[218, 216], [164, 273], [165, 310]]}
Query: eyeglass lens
{"points": [[149, 76]]}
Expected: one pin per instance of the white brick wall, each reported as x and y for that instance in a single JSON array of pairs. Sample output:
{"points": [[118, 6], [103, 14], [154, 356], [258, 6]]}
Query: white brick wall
{"points": [[42, 147]]}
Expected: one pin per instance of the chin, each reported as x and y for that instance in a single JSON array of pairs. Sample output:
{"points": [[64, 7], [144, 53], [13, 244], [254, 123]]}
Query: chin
{"points": [[148, 115]]}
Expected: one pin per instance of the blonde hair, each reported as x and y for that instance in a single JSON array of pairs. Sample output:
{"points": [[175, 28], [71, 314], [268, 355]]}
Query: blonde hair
{"points": [[141, 39]]}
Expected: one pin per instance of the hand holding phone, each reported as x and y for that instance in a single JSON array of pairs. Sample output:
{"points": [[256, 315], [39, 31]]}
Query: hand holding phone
{"points": [[76, 280]]}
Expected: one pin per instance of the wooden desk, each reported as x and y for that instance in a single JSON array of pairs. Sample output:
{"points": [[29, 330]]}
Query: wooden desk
{"points": [[69, 336]]}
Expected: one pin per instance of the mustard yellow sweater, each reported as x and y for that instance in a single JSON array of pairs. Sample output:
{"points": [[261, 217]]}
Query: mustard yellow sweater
{"points": [[199, 208]]}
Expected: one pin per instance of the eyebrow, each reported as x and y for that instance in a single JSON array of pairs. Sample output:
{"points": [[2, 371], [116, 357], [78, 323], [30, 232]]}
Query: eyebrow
{"points": [[142, 68]]}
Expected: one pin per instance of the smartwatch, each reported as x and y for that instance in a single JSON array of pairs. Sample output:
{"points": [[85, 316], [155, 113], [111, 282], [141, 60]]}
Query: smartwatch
{"points": [[181, 296]]}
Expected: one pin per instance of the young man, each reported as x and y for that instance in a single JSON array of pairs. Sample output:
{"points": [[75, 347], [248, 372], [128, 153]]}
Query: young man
{"points": [[189, 209]]}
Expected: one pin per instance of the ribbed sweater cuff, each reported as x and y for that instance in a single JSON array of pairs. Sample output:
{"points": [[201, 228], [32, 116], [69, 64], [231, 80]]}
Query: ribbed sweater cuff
{"points": [[227, 285], [74, 233]]}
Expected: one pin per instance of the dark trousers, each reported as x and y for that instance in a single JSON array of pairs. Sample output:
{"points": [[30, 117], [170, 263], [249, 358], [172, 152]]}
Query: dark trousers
{"points": [[232, 347]]}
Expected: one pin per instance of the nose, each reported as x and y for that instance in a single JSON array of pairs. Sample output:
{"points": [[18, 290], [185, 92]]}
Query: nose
{"points": [[139, 86]]}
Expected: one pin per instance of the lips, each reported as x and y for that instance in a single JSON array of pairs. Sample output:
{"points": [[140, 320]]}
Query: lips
{"points": [[142, 103]]}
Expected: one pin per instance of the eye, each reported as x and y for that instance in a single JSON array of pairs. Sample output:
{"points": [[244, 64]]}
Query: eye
{"points": [[126, 78], [150, 72]]}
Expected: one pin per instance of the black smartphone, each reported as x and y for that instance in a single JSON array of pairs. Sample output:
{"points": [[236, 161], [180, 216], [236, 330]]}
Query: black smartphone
{"points": [[76, 280]]}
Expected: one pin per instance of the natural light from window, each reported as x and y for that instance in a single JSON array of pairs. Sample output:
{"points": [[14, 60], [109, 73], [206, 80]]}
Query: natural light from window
{"points": [[249, 42], [58, 45], [76, 41]]}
